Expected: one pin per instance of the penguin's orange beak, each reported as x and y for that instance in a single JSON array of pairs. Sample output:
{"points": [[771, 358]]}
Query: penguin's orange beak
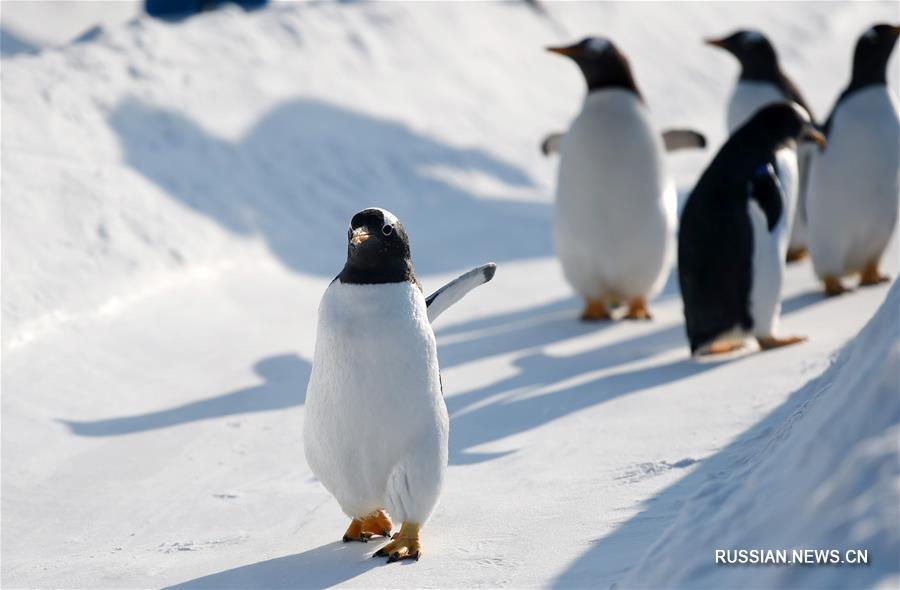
{"points": [[359, 236], [570, 51], [816, 136], [720, 43]]}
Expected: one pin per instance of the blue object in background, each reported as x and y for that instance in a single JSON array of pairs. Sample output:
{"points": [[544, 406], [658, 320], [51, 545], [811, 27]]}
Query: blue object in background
{"points": [[182, 9]]}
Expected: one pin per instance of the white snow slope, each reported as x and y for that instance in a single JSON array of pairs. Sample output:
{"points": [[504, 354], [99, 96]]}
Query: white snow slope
{"points": [[175, 200], [822, 471]]}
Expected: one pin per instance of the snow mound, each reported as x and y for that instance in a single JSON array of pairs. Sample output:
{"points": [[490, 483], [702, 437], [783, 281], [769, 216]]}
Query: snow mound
{"points": [[826, 478]]}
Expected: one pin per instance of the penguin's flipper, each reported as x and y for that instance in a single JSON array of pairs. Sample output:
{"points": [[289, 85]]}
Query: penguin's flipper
{"points": [[766, 190], [551, 143], [682, 139], [456, 289]]}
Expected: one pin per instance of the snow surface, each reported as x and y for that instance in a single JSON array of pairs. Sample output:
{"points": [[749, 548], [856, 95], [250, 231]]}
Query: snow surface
{"points": [[821, 471], [175, 201]]}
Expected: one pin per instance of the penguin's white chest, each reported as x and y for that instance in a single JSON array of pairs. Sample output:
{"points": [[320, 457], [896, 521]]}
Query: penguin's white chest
{"points": [[748, 97], [374, 396], [615, 212], [789, 178], [855, 184], [770, 247]]}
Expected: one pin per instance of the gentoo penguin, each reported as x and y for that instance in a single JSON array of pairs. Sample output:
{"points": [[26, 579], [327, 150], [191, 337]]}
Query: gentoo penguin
{"points": [[615, 209], [855, 181], [762, 82], [376, 425], [730, 242]]}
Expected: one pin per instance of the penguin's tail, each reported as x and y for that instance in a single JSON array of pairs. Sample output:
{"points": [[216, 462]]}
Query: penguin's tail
{"points": [[458, 288]]}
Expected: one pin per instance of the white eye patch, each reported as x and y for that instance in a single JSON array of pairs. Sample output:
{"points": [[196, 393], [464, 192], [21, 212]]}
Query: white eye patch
{"points": [[389, 218], [597, 45], [752, 37]]}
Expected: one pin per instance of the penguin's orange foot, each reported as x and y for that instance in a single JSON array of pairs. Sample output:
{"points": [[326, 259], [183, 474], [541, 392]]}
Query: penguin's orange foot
{"points": [[723, 347], [871, 276], [637, 310], [363, 529], [404, 545], [595, 311], [770, 342], [834, 287], [795, 254]]}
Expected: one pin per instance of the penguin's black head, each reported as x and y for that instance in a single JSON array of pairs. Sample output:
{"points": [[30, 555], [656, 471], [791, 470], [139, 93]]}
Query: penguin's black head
{"points": [[873, 50], [754, 51], [377, 249], [779, 122], [602, 64]]}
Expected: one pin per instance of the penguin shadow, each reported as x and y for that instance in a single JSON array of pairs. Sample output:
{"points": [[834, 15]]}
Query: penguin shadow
{"points": [[553, 322], [285, 377], [802, 300], [524, 329], [520, 411], [297, 177], [322, 567], [511, 332]]}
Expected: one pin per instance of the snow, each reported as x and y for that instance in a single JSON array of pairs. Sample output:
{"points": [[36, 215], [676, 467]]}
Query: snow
{"points": [[829, 455], [175, 201], [29, 25]]}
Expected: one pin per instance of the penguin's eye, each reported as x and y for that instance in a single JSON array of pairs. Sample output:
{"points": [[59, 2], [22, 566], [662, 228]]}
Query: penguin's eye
{"points": [[349, 232], [387, 229]]}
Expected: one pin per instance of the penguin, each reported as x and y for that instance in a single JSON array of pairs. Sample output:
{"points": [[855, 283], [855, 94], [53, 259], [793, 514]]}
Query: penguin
{"points": [[615, 207], [855, 181], [731, 239], [376, 426], [762, 82]]}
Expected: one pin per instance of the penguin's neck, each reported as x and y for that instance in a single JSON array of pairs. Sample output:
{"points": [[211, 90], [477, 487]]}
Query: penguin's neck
{"points": [[394, 270], [604, 78], [867, 73], [761, 71]]}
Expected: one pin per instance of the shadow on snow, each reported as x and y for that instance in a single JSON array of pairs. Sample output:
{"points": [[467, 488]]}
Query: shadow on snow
{"points": [[307, 166], [321, 567], [284, 386]]}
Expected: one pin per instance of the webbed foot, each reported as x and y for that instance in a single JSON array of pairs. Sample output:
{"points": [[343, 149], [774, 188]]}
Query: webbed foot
{"points": [[871, 276], [770, 342], [637, 310], [363, 529], [404, 545], [834, 287], [594, 310]]}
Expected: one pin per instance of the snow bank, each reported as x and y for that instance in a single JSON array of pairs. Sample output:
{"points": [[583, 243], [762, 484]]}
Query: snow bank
{"points": [[827, 477]]}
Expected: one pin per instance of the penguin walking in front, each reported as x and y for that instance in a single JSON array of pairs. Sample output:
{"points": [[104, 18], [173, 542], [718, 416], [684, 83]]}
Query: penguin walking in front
{"points": [[376, 426], [731, 241], [855, 181], [762, 82], [615, 207]]}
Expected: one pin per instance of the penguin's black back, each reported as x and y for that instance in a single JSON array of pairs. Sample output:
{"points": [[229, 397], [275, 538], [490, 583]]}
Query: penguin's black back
{"points": [[715, 240], [715, 250]]}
